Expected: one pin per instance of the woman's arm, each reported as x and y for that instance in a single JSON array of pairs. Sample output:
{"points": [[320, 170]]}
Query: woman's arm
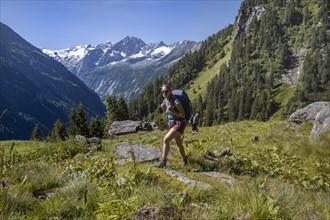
{"points": [[178, 110]]}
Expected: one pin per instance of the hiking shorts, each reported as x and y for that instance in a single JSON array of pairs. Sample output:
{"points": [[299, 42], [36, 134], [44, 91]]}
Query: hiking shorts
{"points": [[178, 126]]}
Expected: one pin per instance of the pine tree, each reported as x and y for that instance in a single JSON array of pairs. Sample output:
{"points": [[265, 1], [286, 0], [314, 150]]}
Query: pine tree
{"points": [[36, 133], [58, 133], [284, 54], [96, 127], [112, 113], [293, 16], [82, 120], [241, 107], [122, 110], [73, 121]]}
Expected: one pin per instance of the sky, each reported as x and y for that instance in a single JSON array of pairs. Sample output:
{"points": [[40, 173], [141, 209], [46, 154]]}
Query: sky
{"points": [[62, 24]]}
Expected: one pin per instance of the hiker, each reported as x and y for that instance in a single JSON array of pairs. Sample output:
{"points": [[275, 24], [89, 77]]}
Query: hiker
{"points": [[176, 122], [194, 123]]}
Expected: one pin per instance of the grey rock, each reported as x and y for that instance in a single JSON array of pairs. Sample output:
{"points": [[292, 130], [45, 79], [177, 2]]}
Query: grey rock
{"points": [[220, 176], [319, 112], [254, 139], [226, 152], [186, 180], [293, 126], [124, 127], [245, 18], [129, 127], [322, 122], [40, 194], [295, 69], [90, 144], [146, 126], [124, 152], [309, 112], [94, 140]]}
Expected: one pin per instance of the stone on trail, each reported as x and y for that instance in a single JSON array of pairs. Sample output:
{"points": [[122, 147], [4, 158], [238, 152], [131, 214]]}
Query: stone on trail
{"points": [[222, 177], [124, 152], [186, 180]]}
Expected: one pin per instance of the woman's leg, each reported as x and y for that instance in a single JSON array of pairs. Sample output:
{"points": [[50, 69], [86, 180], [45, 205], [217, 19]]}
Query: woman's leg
{"points": [[167, 139], [178, 141]]}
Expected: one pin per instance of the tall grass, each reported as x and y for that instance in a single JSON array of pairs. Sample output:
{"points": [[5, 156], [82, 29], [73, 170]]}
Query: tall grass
{"points": [[76, 200], [282, 175]]}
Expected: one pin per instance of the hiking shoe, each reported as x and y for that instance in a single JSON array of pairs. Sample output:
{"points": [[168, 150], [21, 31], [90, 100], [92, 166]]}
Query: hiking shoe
{"points": [[184, 162], [161, 163]]}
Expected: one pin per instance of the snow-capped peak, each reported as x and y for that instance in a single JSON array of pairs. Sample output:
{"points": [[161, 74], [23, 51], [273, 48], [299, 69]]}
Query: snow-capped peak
{"points": [[77, 52]]}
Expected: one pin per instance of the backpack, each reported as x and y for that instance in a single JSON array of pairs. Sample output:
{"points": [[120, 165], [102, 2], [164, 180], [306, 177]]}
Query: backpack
{"points": [[185, 101]]}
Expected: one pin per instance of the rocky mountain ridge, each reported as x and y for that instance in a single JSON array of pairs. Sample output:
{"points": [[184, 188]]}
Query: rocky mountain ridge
{"points": [[122, 68]]}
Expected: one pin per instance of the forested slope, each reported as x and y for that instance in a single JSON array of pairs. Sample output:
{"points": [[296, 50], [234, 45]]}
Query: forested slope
{"points": [[279, 61]]}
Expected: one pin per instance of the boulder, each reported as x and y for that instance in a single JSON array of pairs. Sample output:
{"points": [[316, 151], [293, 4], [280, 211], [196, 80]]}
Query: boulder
{"points": [[89, 144], [94, 144], [93, 140], [124, 152], [319, 112], [309, 112], [124, 127], [129, 127], [322, 122], [146, 126]]}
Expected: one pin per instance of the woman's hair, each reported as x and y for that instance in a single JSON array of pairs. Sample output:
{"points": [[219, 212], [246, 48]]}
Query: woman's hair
{"points": [[166, 86]]}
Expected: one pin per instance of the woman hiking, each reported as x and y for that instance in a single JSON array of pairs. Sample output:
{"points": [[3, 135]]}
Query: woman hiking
{"points": [[176, 123]]}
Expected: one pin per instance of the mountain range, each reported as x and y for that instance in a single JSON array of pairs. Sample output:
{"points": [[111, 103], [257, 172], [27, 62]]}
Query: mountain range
{"points": [[122, 68], [274, 59], [36, 89]]}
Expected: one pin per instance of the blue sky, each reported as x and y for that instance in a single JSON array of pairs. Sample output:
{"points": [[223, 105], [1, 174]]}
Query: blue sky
{"points": [[61, 24]]}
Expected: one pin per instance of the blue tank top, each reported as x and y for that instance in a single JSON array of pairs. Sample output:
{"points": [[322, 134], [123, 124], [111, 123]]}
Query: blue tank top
{"points": [[171, 118]]}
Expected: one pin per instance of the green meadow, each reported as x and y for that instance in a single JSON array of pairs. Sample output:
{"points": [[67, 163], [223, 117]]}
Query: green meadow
{"points": [[280, 174]]}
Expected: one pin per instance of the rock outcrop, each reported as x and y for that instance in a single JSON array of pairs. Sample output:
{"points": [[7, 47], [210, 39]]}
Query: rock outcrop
{"points": [[245, 18], [319, 112], [322, 122]]}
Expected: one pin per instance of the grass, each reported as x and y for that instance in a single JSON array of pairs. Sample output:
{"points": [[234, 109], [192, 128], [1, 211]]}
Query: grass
{"points": [[283, 175], [205, 76]]}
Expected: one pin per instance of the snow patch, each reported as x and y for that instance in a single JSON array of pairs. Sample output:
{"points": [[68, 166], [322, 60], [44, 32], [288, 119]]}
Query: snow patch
{"points": [[137, 55], [164, 50]]}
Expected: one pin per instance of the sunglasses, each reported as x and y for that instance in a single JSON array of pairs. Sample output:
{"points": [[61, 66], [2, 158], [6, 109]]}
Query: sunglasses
{"points": [[165, 91]]}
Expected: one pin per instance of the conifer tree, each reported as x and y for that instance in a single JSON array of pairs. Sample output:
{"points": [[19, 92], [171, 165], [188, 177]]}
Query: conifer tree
{"points": [[58, 133], [96, 127], [77, 121], [122, 110], [73, 121], [241, 106], [82, 120], [111, 114], [36, 133]]}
